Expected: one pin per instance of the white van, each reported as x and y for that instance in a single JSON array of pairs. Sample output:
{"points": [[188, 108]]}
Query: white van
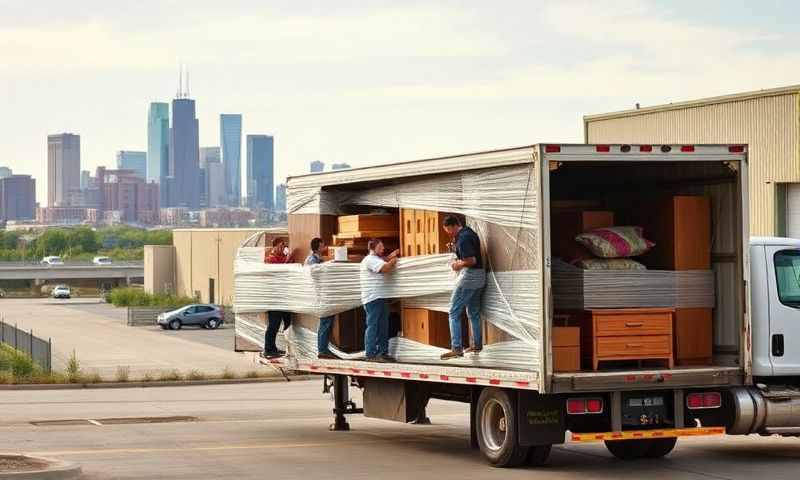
{"points": [[101, 260], [52, 260]]}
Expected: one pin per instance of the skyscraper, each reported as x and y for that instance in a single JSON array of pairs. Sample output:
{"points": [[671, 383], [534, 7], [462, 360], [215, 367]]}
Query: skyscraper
{"points": [[184, 153], [260, 164], [209, 154], [317, 166], [85, 176], [280, 198], [157, 141], [5, 172], [136, 161], [215, 184], [230, 137], [17, 197], [63, 167]]}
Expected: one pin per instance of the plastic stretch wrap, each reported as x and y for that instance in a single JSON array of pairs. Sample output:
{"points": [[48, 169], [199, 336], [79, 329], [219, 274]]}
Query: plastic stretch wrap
{"points": [[575, 288], [499, 203]]}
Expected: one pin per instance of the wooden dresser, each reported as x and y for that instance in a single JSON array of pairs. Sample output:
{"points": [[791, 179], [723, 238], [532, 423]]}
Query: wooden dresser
{"points": [[628, 334]]}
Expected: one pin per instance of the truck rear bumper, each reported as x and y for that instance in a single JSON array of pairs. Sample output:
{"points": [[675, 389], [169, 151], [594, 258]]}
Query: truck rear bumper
{"points": [[678, 377], [646, 434]]}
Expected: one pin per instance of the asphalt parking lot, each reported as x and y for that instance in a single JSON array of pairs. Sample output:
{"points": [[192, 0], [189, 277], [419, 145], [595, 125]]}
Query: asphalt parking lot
{"points": [[98, 334], [279, 431]]}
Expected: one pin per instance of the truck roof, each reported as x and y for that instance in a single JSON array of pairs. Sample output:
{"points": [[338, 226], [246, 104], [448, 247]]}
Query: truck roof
{"points": [[780, 241]]}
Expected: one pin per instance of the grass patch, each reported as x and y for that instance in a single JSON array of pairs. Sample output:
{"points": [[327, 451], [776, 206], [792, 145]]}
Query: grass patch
{"points": [[251, 374], [171, 376], [73, 372], [228, 373], [196, 375]]}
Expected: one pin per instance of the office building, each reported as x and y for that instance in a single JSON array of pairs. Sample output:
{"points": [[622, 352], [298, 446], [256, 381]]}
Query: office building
{"points": [[209, 154], [17, 198], [340, 166], [260, 162], [215, 184], [5, 172], [230, 137], [280, 197], [63, 167], [157, 141], [125, 192], [317, 166], [85, 176], [136, 161], [62, 215], [184, 153]]}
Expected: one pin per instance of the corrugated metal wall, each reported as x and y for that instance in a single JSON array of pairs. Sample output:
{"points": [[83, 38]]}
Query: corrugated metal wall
{"points": [[769, 125]]}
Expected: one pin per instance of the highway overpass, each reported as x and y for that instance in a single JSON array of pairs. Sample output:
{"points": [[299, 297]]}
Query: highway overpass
{"points": [[41, 273]]}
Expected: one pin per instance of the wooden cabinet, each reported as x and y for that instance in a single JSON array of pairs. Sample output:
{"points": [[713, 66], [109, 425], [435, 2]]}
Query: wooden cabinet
{"points": [[368, 223], [426, 326], [566, 349], [348, 330], [421, 232], [629, 334], [680, 226], [567, 224]]}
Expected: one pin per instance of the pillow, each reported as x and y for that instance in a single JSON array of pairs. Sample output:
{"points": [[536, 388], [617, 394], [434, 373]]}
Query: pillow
{"points": [[610, 264], [615, 242]]}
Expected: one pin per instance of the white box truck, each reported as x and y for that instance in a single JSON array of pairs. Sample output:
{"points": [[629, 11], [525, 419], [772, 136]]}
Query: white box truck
{"points": [[630, 388]]}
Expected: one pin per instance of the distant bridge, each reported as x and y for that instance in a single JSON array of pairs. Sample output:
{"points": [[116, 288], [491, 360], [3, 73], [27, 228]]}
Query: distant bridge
{"points": [[71, 270]]}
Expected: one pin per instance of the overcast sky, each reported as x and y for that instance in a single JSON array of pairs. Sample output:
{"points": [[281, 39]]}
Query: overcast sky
{"points": [[370, 82]]}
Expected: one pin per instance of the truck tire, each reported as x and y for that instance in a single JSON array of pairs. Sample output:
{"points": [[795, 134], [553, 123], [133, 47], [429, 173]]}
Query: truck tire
{"points": [[538, 455], [496, 425], [627, 449], [659, 447]]}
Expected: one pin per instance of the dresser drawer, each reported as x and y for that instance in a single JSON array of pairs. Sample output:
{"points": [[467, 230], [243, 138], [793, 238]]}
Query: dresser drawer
{"points": [[633, 346], [645, 324]]}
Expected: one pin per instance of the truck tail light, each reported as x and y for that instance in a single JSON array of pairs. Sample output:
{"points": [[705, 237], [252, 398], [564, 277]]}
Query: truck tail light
{"points": [[583, 406], [603, 148], [696, 401]]}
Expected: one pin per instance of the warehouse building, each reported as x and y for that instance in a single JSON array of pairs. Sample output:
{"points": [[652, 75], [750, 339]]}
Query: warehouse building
{"points": [[199, 263], [767, 120]]}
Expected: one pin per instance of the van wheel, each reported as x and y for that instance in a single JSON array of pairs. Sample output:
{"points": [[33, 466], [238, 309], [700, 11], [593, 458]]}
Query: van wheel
{"points": [[212, 324], [175, 324], [538, 455], [627, 449], [496, 426], [659, 447]]}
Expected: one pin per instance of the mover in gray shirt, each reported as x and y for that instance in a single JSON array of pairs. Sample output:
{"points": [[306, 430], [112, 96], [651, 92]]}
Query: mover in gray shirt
{"points": [[325, 323]]}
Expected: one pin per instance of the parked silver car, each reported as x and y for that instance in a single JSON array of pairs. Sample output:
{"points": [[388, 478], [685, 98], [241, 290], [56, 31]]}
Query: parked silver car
{"points": [[200, 314]]}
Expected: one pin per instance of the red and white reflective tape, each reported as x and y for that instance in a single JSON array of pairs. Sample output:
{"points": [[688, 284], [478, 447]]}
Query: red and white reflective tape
{"points": [[377, 371]]}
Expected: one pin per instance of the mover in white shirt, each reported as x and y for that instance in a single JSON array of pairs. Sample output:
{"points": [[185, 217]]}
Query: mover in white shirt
{"points": [[373, 270]]}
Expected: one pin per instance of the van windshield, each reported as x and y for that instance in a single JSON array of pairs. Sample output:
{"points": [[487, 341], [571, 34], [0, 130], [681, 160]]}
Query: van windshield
{"points": [[787, 271]]}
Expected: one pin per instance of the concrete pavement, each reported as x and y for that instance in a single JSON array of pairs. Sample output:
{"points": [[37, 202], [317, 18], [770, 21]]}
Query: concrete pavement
{"points": [[279, 431], [97, 333]]}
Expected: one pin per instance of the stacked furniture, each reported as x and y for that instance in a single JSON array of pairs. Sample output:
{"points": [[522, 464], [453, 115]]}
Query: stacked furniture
{"points": [[682, 233], [422, 233], [566, 349], [628, 334]]}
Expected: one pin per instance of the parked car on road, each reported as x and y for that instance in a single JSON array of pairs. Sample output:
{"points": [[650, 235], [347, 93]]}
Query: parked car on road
{"points": [[61, 291], [52, 260], [101, 260], [201, 315]]}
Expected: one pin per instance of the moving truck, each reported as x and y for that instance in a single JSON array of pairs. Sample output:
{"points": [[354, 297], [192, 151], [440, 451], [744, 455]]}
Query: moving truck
{"points": [[640, 333]]}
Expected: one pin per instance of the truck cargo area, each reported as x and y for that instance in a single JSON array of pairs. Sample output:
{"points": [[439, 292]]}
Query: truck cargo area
{"points": [[646, 274]]}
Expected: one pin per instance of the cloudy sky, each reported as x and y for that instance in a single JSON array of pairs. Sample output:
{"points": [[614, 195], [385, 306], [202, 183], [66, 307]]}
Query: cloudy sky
{"points": [[371, 81]]}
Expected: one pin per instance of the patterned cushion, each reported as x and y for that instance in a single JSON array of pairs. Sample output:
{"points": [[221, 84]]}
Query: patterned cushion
{"points": [[615, 242], [610, 264]]}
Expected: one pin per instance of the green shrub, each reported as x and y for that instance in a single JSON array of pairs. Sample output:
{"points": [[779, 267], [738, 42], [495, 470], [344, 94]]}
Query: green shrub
{"points": [[16, 363], [73, 372], [136, 297], [228, 373]]}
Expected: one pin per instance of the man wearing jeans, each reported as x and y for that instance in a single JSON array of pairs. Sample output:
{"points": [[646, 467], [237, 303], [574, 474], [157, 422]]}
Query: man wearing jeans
{"points": [[469, 286], [373, 275], [325, 323]]}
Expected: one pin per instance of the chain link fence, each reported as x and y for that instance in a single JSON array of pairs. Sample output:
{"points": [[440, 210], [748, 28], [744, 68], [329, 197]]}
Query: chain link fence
{"points": [[40, 350]]}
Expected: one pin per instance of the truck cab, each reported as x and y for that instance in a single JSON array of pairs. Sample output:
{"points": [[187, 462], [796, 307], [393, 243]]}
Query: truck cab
{"points": [[775, 297]]}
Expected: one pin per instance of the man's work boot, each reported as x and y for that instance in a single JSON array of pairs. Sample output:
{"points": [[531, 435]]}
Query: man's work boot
{"points": [[452, 354], [475, 350]]}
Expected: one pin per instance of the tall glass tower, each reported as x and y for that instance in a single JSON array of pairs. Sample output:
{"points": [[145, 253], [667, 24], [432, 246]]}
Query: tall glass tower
{"points": [[157, 141], [230, 137], [184, 154], [260, 164]]}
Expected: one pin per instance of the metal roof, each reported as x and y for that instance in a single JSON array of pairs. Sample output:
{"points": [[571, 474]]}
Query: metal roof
{"points": [[430, 166], [736, 97]]}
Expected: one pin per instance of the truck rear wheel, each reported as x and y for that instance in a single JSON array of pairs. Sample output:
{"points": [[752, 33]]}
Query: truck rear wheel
{"points": [[633, 449], [496, 425]]}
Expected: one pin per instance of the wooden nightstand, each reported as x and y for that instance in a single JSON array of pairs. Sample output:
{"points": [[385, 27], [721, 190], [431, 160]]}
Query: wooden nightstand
{"points": [[629, 334]]}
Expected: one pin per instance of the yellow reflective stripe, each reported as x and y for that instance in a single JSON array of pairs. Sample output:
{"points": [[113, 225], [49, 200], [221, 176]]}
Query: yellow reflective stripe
{"points": [[641, 434]]}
